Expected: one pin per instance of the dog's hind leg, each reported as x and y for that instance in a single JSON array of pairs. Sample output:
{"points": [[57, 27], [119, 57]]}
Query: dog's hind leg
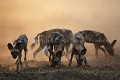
{"points": [[35, 52], [96, 50], [103, 51]]}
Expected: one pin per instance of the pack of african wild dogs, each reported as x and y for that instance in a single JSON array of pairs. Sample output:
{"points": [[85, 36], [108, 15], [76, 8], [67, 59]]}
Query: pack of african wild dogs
{"points": [[55, 42]]}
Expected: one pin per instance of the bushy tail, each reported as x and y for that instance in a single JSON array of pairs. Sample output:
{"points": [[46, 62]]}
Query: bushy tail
{"points": [[35, 41]]}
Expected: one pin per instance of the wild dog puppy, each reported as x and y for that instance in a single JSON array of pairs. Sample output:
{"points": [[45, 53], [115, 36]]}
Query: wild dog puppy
{"points": [[16, 49], [98, 39], [56, 46], [43, 39], [78, 49]]}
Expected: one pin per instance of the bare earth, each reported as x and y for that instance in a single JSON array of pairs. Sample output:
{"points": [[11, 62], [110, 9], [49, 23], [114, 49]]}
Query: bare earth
{"points": [[44, 72]]}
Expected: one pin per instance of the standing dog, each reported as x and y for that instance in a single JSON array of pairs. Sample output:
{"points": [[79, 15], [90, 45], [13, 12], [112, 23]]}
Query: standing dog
{"points": [[43, 39], [56, 46], [16, 49], [78, 49], [98, 39]]}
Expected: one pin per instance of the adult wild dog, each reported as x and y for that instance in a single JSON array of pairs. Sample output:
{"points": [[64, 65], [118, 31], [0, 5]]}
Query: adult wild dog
{"points": [[16, 49], [55, 46], [98, 39], [43, 39], [78, 49]]}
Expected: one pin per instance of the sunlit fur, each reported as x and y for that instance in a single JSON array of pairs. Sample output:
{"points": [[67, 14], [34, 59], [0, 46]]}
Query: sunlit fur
{"points": [[16, 49], [42, 38], [56, 42], [98, 39], [78, 49]]}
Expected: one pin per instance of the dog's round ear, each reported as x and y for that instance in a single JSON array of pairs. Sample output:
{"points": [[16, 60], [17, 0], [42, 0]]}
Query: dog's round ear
{"points": [[10, 47]]}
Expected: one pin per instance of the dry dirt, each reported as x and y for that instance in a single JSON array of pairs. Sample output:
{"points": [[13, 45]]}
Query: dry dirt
{"points": [[41, 70]]}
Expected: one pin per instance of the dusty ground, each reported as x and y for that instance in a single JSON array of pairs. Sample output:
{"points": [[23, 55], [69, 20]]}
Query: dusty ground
{"points": [[42, 71], [104, 68]]}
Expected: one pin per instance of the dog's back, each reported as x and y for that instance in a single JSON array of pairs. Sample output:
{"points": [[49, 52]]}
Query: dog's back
{"points": [[21, 42]]}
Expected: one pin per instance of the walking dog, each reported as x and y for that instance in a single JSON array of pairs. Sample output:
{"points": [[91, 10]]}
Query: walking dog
{"points": [[16, 49], [98, 39], [78, 49], [43, 39], [56, 46]]}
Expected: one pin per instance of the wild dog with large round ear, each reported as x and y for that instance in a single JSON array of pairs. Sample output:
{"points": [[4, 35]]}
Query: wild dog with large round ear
{"points": [[78, 49], [16, 50], [99, 39], [56, 46], [42, 38], [55, 59]]}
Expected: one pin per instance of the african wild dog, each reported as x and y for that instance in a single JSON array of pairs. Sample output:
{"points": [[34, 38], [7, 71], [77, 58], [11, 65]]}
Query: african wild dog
{"points": [[56, 46], [98, 39], [43, 39], [16, 49], [78, 49]]}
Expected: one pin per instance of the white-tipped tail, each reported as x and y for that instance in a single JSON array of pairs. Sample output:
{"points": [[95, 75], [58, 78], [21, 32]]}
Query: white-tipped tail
{"points": [[34, 43], [45, 50]]}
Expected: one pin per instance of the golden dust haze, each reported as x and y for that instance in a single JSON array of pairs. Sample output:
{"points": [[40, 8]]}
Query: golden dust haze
{"points": [[33, 16]]}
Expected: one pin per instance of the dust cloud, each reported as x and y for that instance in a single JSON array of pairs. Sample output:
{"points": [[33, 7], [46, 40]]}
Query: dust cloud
{"points": [[33, 16]]}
